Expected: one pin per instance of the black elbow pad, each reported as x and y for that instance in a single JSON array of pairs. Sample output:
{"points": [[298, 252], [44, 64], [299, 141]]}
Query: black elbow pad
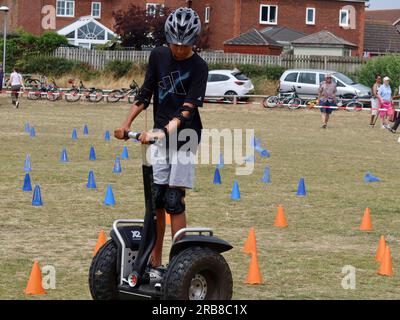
{"points": [[144, 97]]}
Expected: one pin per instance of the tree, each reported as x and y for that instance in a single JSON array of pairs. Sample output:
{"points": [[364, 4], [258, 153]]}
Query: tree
{"points": [[139, 28]]}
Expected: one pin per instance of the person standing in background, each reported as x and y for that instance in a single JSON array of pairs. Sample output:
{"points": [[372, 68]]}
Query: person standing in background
{"points": [[327, 98], [16, 83], [375, 100], [385, 102]]}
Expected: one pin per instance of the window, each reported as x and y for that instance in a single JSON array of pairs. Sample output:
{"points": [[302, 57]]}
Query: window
{"points": [[307, 78], [96, 10], [153, 8], [344, 18], [240, 76], [207, 15], [217, 77], [291, 77], [321, 77], [310, 16], [268, 14], [65, 8], [91, 31]]}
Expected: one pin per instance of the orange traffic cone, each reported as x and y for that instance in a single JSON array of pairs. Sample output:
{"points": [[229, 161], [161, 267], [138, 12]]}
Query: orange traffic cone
{"points": [[254, 275], [381, 249], [280, 219], [34, 285], [250, 244], [101, 240], [386, 268], [167, 219], [366, 223]]}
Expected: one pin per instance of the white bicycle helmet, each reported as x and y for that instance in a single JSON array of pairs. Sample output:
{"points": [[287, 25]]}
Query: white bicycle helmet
{"points": [[182, 27]]}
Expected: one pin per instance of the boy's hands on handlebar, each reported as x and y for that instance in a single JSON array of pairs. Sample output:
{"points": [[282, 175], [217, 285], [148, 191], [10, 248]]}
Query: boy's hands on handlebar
{"points": [[146, 137], [120, 133]]}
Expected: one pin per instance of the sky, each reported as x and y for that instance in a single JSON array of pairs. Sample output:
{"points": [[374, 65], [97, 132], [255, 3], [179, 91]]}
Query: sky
{"points": [[384, 4]]}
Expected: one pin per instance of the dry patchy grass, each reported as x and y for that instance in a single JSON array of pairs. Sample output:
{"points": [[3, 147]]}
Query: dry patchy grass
{"points": [[303, 261]]}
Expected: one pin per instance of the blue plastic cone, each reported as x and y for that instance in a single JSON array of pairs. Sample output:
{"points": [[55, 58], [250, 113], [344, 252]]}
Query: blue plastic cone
{"points": [[37, 197], [124, 154], [85, 130], [64, 156], [370, 178], [27, 165], [92, 154], [107, 136], [217, 177], [74, 134], [221, 162], [263, 152], [266, 177], [91, 184], [235, 195], [117, 166], [301, 189], [33, 132], [27, 183], [27, 128], [109, 199]]}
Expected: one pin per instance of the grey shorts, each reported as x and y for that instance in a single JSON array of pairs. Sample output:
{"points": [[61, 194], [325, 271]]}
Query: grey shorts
{"points": [[179, 171]]}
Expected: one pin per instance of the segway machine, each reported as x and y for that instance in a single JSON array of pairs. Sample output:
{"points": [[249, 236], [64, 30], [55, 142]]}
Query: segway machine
{"points": [[196, 268]]}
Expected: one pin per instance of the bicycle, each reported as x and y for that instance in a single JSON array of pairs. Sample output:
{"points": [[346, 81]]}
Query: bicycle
{"points": [[91, 94], [354, 104], [51, 90], [289, 98], [118, 94]]}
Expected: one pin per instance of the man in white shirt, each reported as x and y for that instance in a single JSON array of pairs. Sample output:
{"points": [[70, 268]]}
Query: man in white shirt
{"points": [[16, 83]]}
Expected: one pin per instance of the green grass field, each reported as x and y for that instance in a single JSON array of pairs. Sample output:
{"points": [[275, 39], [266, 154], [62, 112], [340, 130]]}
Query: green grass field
{"points": [[303, 261]]}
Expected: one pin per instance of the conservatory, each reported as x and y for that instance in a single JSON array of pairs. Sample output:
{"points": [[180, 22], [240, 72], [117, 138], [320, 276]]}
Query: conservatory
{"points": [[87, 32]]}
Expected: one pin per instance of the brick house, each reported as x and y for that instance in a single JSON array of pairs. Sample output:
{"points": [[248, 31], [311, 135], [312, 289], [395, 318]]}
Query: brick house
{"points": [[222, 19], [230, 18], [378, 23]]}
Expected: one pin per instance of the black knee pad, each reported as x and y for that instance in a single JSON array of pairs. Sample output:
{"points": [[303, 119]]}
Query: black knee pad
{"points": [[159, 195], [174, 200]]}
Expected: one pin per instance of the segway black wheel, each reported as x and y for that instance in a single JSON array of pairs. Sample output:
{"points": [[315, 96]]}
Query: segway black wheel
{"points": [[198, 273], [103, 273]]}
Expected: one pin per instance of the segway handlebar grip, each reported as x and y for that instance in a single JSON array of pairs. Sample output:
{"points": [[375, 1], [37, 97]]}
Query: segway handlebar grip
{"points": [[136, 135]]}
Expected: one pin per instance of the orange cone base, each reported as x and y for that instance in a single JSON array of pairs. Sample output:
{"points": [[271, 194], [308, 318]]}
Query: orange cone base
{"points": [[366, 223], [386, 268], [254, 275], [34, 286]]}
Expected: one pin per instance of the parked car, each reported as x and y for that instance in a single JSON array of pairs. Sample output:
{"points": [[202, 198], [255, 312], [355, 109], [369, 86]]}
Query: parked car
{"points": [[307, 81], [228, 82]]}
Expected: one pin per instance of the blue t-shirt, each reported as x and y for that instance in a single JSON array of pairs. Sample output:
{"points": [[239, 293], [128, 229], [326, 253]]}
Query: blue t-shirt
{"points": [[385, 92]]}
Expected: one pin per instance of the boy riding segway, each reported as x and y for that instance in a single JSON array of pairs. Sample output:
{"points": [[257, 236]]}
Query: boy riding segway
{"points": [[129, 264], [176, 78]]}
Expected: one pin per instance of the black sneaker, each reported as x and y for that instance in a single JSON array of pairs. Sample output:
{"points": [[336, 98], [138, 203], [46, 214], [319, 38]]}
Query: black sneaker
{"points": [[323, 126], [391, 130]]}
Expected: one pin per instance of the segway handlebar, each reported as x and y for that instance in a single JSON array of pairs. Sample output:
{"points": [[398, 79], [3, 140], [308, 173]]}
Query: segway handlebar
{"points": [[136, 135]]}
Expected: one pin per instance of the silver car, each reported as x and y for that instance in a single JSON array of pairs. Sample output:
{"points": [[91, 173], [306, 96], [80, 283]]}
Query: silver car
{"points": [[307, 81]]}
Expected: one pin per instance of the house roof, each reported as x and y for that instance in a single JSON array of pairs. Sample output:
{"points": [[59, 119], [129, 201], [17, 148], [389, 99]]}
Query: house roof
{"points": [[374, 41], [253, 37], [282, 34], [323, 38], [390, 16]]}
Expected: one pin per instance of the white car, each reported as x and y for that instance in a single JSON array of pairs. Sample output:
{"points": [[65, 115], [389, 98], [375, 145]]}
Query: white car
{"points": [[228, 82]]}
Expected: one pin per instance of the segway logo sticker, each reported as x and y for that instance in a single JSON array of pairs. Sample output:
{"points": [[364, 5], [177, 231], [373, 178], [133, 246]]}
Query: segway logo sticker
{"points": [[136, 235]]}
